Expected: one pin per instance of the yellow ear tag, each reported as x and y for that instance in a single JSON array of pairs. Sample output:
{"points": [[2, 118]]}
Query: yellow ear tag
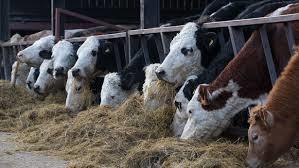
{"points": [[211, 42]]}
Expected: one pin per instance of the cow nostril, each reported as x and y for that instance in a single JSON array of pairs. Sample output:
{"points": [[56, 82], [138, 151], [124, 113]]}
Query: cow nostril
{"points": [[75, 72], [60, 69], [36, 88], [160, 73]]}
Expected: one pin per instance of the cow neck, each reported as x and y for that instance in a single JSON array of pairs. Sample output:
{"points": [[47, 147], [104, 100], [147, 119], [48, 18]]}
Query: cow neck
{"points": [[248, 70], [282, 100]]}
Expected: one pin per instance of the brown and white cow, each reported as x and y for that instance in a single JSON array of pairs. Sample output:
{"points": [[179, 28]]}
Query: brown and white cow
{"points": [[244, 81], [274, 126]]}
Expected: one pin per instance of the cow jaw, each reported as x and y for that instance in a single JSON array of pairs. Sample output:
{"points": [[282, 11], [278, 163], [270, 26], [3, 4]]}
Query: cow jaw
{"points": [[204, 124]]}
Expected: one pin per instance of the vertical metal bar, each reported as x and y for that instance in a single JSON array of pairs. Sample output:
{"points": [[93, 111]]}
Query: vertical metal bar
{"points": [[268, 54], [4, 20], [1, 68], [237, 38], [165, 43], [160, 50], [117, 55], [221, 38], [145, 50], [56, 4], [126, 47], [129, 47], [290, 37], [6, 63]]}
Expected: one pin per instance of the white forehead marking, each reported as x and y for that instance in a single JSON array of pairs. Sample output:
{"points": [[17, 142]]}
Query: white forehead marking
{"points": [[62, 47], [91, 43], [187, 33], [279, 11], [45, 42]]}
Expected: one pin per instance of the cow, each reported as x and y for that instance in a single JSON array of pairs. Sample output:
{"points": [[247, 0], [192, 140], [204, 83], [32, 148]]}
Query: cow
{"points": [[243, 82], [64, 57], [93, 56], [274, 125], [37, 52], [81, 92], [21, 75], [112, 93], [31, 78], [45, 82], [226, 53], [181, 115]]}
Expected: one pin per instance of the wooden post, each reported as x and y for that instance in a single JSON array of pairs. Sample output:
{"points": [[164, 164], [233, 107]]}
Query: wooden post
{"points": [[4, 20], [57, 4], [149, 13], [6, 62]]}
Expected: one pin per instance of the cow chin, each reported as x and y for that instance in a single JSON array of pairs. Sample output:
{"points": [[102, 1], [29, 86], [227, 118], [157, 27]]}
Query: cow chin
{"points": [[254, 163]]}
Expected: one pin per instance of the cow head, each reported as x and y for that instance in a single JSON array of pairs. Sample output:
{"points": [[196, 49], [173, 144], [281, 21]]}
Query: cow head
{"points": [[45, 81], [79, 94], [32, 77], [181, 115], [268, 136], [210, 111], [188, 54], [64, 58], [87, 58], [37, 52], [112, 93]]}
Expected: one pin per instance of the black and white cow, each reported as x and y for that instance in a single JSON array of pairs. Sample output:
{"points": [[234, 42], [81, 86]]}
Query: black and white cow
{"points": [[37, 52], [93, 56], [31, 78]]}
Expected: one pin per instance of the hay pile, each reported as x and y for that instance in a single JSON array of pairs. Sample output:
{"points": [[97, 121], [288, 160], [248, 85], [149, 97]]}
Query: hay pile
{"points": [[128, 136], [16, 101]]}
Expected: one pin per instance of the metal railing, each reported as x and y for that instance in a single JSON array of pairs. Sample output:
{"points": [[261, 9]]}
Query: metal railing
{"points": [[163, 36]]}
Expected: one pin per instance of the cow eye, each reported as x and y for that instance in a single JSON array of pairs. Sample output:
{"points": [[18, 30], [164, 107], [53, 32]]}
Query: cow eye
{"points": [[178, 105], [50, 71], [255, 137], [93, 53], [184, 51], [190, 111], [78, 88]]}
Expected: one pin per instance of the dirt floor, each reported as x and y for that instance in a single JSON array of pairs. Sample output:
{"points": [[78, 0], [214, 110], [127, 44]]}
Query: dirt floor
{"points": [[11, 158]]}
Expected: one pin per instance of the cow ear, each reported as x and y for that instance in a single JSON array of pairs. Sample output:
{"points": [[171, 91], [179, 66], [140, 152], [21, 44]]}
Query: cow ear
{"points": [[45, 54], [269, 118], [210, 40], [204, 95]]}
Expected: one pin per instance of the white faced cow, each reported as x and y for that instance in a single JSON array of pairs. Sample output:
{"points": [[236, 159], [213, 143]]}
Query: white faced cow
{"points": [[79, 95], [186, 54], [37, 52], [112, 94], [21, 75], [181, 114], [64, 57], [45, 82], [31, 78], [87, 58]]}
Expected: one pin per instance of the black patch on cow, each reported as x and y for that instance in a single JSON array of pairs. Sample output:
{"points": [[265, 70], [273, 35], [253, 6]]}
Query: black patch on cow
{"points": [[207, 43], [50, 71], [189, 88], [96, 87], [36, 74], [45, 54]]}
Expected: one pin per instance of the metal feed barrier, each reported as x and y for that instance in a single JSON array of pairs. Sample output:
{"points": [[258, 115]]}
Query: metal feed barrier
{"points": [[163, 35]]}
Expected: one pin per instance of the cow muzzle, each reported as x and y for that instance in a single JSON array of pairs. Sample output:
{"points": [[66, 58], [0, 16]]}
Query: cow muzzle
{"points": [[160, 73], [76, 73]]}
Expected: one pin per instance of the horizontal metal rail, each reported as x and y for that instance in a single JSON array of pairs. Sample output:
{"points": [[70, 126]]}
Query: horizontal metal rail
{"points": [[221, 24]]}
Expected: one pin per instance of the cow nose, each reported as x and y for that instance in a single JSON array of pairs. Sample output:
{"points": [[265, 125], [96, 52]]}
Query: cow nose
{"points": [[36, 88], [160, 73], [75, 72], [29, 84], [19, 55], [59, 70]]}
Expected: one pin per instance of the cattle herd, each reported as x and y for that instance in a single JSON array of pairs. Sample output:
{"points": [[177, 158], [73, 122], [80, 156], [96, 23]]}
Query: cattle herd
{"points": [[212, 85]]}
